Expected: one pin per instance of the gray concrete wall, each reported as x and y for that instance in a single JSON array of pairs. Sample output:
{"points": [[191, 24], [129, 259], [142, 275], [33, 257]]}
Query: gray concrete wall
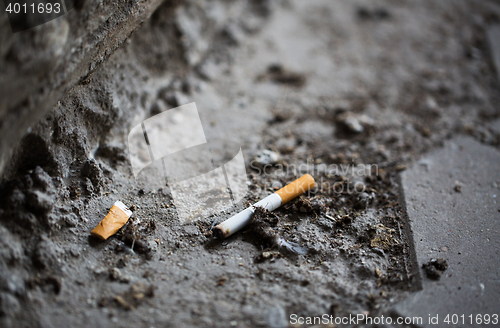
{"points": [[39, 65]]}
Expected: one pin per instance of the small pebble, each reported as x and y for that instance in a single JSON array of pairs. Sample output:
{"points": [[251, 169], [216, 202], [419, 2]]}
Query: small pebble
{"points": [[266, 156], [353, 124]]}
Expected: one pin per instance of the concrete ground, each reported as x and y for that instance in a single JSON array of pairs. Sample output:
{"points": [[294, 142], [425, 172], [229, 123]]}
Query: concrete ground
{"points": [[408, 90], [452, 202]]}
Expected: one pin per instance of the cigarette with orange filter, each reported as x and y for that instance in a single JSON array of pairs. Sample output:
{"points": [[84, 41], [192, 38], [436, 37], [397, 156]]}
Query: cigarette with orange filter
{"points": [[117, 216], [271, 202]]}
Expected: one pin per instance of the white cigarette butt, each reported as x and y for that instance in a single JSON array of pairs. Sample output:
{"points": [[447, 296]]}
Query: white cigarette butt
{"points": [[271, 202]]}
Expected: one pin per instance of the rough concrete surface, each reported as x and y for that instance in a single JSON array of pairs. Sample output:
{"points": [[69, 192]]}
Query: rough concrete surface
{"points": [[494, 41], [452, 202], [38, 66], [350, 92]]}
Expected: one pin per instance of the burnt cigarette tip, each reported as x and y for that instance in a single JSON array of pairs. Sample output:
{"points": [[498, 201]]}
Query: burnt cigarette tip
{"points": [[217, 233]]}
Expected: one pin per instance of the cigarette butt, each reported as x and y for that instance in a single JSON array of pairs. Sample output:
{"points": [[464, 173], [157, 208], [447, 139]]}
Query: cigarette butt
{"points": [[271, 202], [116, 218], [295, 188]]}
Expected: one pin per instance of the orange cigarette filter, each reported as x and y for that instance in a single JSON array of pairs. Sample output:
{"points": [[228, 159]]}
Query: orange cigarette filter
{"points": [[117, 216], [295, 188]]}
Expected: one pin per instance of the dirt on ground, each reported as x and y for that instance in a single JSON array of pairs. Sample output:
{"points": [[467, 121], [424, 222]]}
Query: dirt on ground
{"points": [[349, 92]]}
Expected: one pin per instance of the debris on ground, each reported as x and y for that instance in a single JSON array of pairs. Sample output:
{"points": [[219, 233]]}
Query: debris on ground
{"points": [[383, 238], [354, 123], [267, 255], [116, 275], [435, 268], [135, 236], [267, 157], [376, 14], [46, 283], [278, 74], [222, 280], [131, 299], [265, 226]]}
